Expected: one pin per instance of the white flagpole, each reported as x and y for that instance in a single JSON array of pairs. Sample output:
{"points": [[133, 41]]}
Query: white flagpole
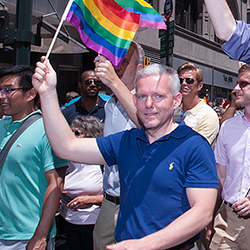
{"points": [[65, 13]]}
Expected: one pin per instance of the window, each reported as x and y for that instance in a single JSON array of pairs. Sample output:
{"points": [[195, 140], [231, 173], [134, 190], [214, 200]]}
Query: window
{"points": [[188, 14]]}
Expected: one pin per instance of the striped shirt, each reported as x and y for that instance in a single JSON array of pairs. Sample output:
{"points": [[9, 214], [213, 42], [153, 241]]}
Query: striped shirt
{"points": [[201, 118]]}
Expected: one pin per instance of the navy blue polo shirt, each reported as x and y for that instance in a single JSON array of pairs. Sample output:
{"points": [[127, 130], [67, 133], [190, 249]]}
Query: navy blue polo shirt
{"points": [[154, 177], [76, 109]]}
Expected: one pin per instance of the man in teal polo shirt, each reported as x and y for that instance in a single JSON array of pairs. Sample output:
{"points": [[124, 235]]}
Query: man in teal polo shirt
{"points": [[31, 176]]}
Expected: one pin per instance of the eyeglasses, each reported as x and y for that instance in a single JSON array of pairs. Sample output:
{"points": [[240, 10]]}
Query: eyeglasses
{"points": [[7, 91], [187, 80], [243, 84], [89, 81], [77, 132]]}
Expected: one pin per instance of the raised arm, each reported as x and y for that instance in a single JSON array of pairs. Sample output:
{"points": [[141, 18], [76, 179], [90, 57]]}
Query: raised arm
{"points": [[61, 138], [202, 201], [221, 17], [105, 71]]}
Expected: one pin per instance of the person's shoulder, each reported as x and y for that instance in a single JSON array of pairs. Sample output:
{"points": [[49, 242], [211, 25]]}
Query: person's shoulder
{"points": [[104, 98], [69, 111], [232, 121], [184, 131], [70, 107], [205, 110]]}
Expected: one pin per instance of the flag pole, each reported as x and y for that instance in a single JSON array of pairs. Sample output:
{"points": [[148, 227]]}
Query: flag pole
{"points": [[65, 13]]}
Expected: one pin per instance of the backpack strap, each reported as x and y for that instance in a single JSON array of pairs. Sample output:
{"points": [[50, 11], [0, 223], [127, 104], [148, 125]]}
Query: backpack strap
{"points": [[17, 133]]}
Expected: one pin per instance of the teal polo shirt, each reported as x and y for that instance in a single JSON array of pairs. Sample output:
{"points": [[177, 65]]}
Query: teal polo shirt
{"points": [[22, 179]]}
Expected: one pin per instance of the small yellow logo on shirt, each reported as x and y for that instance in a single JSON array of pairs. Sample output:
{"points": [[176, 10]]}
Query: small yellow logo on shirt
{"points": [[171, 166]]}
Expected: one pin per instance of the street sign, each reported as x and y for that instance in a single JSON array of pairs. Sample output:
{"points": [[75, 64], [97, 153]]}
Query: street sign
{"points": [[168, 9]]}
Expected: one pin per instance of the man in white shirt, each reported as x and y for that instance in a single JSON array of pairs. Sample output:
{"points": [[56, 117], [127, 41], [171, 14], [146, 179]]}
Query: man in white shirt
{"points": [[116, 120], [232, 154]]}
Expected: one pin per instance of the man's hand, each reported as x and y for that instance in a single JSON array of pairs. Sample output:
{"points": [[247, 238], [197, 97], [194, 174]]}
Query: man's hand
{"points": [[85, 201], [44, 78], [209, 233], [36, 244], [242, 207], [105, 71]]}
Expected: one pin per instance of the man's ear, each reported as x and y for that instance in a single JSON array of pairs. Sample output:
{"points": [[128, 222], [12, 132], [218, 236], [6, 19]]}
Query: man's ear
{"points": [[79, 85], [200, 86], [135, 100], [177, 100], [139, 67], [31, 94]]}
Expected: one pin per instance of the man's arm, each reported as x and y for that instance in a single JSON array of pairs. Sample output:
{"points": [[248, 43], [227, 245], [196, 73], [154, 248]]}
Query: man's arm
{"points": [[202, 202], [62, 140], [230, 111], [51, 200], [105, 71], [221, 17]]}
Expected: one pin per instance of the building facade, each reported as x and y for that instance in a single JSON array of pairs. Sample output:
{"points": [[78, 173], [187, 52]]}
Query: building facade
{"points": [[193, 40]]}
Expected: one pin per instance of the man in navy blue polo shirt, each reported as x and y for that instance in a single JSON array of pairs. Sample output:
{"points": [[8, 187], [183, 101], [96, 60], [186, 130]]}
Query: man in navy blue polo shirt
{"points": [[90, 102], [167, 171]]}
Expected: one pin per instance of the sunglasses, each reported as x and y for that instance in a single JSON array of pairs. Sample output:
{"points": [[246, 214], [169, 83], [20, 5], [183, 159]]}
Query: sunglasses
{"points": [[243, 84], [187, 80], [89, 81], [77, 132]]}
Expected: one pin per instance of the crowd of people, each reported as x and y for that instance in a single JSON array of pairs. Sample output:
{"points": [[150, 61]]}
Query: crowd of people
{"points": [[150, 167]]}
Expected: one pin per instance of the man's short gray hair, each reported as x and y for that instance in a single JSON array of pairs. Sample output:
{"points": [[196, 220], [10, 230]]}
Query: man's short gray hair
{"points": [[159, 69]]}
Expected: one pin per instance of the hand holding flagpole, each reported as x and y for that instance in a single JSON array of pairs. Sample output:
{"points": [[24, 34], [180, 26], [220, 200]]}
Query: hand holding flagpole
{"points": [[65, 13]]}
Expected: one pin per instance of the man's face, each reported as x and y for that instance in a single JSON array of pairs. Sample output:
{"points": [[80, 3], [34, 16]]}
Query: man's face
{"points": [[189, 89], [12, 100], [90, 85], [155, 103], [128, 69], [242, 90]]}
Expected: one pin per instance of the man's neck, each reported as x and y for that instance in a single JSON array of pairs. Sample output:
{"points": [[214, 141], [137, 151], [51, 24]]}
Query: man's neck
{"points": [[22, 114], [189, 103], [155, 134], [89, 103]]}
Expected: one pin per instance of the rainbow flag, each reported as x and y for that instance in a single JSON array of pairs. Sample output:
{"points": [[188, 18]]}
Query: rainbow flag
{"points": [[104, 26], [150, 18]]}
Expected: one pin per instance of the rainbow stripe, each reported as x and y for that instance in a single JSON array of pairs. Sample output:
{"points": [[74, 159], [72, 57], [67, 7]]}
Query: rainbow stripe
{"points": [[104, 26], [150, 18]]}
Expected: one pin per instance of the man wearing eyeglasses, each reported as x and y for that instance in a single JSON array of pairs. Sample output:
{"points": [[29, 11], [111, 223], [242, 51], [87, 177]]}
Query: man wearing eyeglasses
{"points": [[31, 176], [232, 155], [193, 110], [90, 102]]}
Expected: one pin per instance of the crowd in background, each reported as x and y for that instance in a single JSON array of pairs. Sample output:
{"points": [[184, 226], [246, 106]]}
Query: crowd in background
{"points": [[112, 167]]}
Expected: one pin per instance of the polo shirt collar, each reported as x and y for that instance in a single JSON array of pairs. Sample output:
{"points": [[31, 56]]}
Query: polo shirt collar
{"points": [[180, 132], [7, 121], [196, 108]]}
